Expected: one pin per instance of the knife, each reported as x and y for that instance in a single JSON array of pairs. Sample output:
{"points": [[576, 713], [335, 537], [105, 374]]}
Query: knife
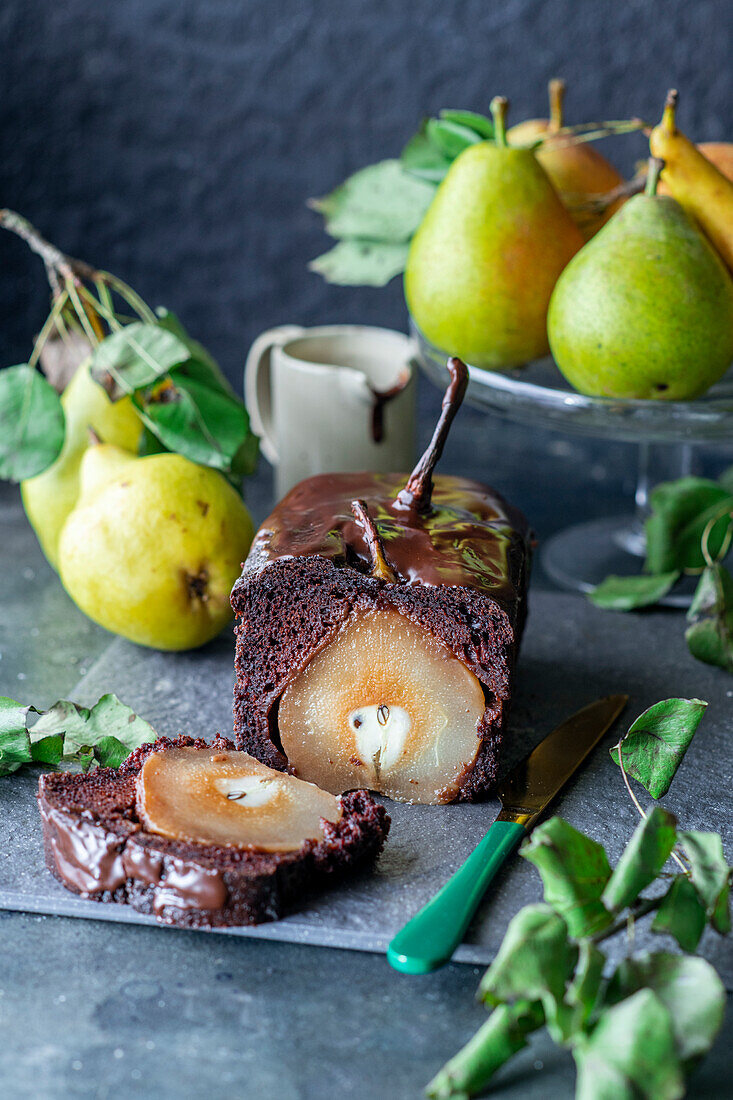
{"points": [[428, 940]]}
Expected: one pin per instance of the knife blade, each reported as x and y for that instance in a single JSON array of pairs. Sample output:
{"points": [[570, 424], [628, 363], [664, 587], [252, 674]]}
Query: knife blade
{"points": [[429, 939]]}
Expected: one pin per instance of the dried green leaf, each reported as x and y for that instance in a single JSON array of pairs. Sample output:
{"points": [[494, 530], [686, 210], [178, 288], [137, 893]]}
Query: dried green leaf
{"points": [[15, 748], [688, 987], [711, 875], [710, 637], [48, 750], [630, 1054], [32, 423], [137, 356], [680, 512], [361, 263], [504, 1033], [681, 914], [642, 859], [534, 961], [380, 203], [626, 593], [574, 871], [656, 743], [84, 727]]}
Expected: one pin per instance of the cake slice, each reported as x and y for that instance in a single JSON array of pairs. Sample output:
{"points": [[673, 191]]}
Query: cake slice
{"points": [[202, 835], [379, 621]]}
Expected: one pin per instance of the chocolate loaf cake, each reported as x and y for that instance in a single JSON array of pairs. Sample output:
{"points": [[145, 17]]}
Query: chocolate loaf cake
{"points": [[410, 596], [97, 845]]}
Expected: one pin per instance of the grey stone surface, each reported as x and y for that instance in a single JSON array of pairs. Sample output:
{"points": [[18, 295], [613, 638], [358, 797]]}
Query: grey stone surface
{"points": [[572, 654], [100, 1012]]}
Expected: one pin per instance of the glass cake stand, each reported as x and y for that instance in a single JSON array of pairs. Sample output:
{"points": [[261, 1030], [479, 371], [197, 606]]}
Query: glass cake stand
{"points": [[664, 433]]}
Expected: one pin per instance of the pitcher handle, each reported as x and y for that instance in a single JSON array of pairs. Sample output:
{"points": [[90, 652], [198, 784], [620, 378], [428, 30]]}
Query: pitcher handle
{"points": [[258, 386]]}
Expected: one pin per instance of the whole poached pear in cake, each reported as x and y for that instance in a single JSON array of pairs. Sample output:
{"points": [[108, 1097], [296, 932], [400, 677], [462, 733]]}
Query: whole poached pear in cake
{"points": [[379, 624], [487, 254], [153, 547], [646, 309]]}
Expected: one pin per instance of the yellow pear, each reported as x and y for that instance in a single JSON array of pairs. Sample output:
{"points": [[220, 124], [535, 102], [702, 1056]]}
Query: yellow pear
{"points": [[50, 496], [692, 178], [153, 547], [579, 173]]}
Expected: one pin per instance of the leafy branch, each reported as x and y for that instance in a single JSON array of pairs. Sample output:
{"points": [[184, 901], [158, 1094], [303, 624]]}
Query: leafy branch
{"points": [[688, 533], [181, 396], [635, 1032]]}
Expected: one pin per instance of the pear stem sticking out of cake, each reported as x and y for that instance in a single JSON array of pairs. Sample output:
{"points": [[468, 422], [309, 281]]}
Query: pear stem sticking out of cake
{"points": [[417, 493], [380, 566]]}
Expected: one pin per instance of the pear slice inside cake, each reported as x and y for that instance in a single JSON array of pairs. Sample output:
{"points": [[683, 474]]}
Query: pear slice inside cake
{"points": [[230, 799], [385, 706]]}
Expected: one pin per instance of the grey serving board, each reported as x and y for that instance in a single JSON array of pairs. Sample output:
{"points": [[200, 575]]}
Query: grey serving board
{"points": [[572, 654]]}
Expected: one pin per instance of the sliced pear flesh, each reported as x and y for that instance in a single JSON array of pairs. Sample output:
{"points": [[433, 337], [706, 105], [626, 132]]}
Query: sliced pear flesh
{"points": [[229, 799], [385, 706]]}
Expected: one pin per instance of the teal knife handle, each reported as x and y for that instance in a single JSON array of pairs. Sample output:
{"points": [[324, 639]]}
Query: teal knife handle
{"points": [[430, 938]]}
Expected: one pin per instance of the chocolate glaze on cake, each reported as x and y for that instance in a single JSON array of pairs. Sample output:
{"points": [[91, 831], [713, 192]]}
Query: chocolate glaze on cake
{"points": [[459, 556], [96, 846]]}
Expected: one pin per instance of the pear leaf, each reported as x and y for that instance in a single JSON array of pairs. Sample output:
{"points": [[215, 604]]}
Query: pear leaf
{"points": [[85, 727], [48, 750], [626, 593], [726, 480], [534, 961], [584, 989], [421, 158], [710, 637], [15, 746], [70, 734], [499, 1039], [574, 871], [32, 423], [688, 987], [204, 424], [630, 1054], [382, 202], [170, 322], [361, 262], [657, 741], [680, 512], [136, 356], [681, 914], [642, 859], [450, 138], [480, 124], [711, 875]]}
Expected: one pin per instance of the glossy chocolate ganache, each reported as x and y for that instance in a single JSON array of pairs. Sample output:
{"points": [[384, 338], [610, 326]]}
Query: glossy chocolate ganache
{"points": [[349, 574], [434, 530]]}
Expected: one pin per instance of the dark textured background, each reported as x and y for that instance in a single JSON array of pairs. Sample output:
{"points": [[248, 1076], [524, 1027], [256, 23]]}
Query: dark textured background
{"points": [[176, 141]]}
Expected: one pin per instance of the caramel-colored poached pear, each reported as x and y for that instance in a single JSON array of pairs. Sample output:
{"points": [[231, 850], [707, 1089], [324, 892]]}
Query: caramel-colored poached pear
{"points": [[385, 706], [229, 799]]}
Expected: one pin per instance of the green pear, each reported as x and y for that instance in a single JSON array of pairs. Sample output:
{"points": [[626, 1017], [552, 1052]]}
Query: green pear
{"points": [[153, 547], [484, 260], [50, 496], [646, 309]]}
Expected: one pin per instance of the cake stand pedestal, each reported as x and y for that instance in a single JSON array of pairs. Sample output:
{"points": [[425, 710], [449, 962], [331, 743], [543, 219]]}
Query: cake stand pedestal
{"points": [[664, 433]]}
